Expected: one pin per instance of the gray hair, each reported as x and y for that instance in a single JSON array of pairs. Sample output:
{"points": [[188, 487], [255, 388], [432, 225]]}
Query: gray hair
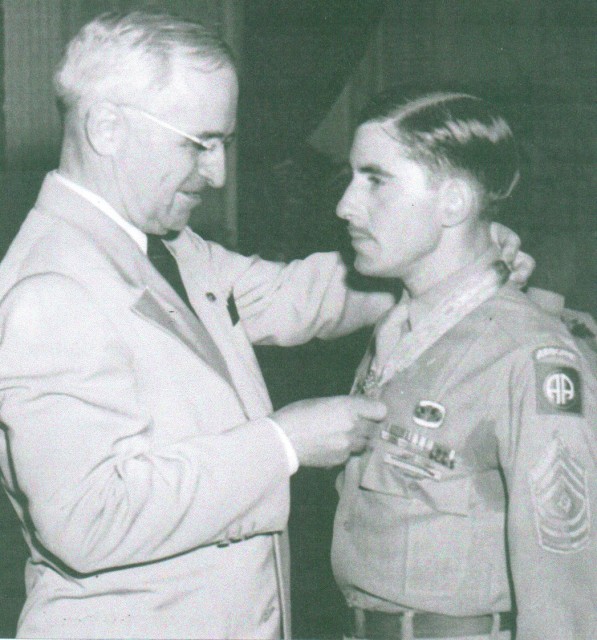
{"points": [[118, 55]]}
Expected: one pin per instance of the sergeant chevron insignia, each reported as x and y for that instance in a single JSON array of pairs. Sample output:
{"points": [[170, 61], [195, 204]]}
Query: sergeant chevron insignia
{"points": [[561, 500]]}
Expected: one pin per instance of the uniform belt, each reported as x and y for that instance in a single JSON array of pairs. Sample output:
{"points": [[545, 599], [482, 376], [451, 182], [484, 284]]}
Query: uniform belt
{"points": [[377, 625]]}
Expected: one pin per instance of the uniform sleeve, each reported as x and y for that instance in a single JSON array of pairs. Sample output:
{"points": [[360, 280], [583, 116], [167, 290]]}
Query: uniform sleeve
{"points": [[549, 466], [287, 304], [79, 452]]}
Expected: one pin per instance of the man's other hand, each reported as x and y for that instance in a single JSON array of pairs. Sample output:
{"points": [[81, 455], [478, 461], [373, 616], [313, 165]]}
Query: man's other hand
{"points": [[521, 264]]}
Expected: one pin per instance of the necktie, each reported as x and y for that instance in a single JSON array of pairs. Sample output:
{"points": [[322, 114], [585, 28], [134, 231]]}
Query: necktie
{"points": [[165, 263]]}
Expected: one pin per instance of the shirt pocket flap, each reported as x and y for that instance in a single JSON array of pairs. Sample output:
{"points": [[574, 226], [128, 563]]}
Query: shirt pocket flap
{"points": [[377, 475], [443, 493]]}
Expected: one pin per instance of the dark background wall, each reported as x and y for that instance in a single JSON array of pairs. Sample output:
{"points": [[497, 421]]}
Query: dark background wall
{"points": [[537, 59]]}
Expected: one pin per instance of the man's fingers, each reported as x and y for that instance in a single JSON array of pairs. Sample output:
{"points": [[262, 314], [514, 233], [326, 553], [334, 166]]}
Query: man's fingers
{"points": [[522, 268], [358, 445], [510, 249], [369, 409], [507, 241], [365, 428]]}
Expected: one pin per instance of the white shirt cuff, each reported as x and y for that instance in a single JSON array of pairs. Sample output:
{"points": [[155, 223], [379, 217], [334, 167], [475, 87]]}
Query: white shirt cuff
{"points": [[293, 461]]}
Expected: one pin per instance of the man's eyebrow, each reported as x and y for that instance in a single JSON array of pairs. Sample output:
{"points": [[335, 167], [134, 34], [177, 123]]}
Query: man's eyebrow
{"points": [[216, 135], [374, 169]]}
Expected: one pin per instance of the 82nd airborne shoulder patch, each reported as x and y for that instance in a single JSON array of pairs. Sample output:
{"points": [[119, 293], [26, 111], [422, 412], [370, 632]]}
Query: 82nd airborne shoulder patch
{"points": [[559, 387]]}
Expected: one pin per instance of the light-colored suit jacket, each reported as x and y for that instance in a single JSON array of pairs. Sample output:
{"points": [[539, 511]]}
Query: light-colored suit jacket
{"points": [[151, 487]]}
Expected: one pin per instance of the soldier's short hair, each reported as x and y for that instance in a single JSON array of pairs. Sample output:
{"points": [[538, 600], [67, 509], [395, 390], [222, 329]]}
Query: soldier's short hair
{"points": [[120, 54], [451, 132]]}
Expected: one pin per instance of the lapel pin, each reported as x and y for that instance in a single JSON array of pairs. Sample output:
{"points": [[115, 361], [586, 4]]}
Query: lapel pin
{"points": [[210, 296]]}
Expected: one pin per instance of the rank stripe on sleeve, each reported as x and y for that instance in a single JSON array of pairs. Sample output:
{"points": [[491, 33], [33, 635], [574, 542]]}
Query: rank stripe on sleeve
{"points": [[560, 495]]}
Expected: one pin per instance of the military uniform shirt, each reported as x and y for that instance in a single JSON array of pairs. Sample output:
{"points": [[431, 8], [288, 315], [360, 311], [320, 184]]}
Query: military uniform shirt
{"points": [[482, 477]]}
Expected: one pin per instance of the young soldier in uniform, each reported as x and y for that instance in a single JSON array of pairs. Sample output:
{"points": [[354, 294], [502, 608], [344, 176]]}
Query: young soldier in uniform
{"points": [[475, 499]]}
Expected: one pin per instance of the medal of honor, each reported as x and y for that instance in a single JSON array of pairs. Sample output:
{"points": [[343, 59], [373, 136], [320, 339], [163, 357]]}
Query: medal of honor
{"points": [[367, 384]]}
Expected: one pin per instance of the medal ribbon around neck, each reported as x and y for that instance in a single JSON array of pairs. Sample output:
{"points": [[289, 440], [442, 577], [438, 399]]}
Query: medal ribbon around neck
{"points": [[448, 313]]}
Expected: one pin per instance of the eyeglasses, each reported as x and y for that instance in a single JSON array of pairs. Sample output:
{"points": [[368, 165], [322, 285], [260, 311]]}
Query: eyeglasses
{"points": [[201, 145]]}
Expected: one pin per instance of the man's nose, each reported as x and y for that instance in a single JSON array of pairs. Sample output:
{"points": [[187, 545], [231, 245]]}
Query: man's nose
{"points": [[346, 208], [212, 166]]}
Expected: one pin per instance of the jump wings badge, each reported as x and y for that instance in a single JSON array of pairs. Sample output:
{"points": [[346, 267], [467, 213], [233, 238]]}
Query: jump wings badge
{"points": [[561, 503], [429, 414]]}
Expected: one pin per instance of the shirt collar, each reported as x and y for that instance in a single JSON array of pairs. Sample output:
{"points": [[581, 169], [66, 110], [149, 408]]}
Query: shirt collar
{"points": [[99, 203], [420, 306]]}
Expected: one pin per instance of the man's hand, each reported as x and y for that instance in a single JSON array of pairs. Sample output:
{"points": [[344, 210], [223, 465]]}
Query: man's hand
{"points": [[325, 431], [520, 263]]}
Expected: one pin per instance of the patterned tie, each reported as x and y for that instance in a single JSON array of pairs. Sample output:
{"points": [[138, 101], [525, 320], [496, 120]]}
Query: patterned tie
{"points": [[165, 263]]}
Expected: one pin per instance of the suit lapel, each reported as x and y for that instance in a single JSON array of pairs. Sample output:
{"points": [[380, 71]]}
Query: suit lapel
{"points": [[210, 304], [165, 318], [152, 298]]}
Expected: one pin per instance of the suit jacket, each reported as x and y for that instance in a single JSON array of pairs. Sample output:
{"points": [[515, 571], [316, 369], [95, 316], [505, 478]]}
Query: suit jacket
{"points": [[150, 486]]}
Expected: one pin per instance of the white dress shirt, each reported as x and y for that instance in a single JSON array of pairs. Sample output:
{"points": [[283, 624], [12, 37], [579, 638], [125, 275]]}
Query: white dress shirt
{"points": [[107, 209]]}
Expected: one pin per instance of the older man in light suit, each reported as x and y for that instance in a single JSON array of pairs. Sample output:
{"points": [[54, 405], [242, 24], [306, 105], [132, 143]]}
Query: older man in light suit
{"points": [[140, 449]]}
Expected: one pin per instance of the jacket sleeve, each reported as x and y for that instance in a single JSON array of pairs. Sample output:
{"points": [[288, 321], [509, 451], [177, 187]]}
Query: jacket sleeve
{"points": [[78, 448], [549, 464], [287, 304]]}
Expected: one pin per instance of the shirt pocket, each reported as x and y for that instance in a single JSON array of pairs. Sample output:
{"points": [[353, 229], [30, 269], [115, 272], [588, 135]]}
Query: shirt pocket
{"points": [[391, 470]]}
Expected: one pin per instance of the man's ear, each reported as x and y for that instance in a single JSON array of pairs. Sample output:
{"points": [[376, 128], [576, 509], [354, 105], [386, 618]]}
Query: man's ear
{"points": [[459, 200], [105, 127]]}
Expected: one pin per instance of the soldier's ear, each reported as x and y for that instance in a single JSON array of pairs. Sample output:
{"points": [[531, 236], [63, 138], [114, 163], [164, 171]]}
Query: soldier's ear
{"points": [[105, 127], [458, 200]]}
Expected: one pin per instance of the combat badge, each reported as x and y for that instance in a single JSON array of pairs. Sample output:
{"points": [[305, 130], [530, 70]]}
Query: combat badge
{"points": [[561, 501], [558, 386]]}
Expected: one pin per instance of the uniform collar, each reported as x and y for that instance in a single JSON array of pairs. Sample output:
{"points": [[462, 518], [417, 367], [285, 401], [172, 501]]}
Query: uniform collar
{"points": [[420, 306]]}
